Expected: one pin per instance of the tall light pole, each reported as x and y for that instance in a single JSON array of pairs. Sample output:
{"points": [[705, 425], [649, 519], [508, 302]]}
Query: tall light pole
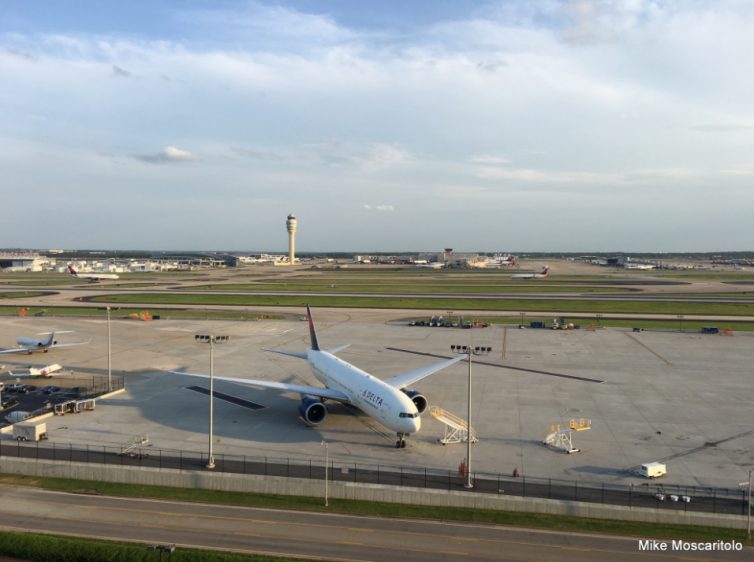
{"points": [[109, 355], [327, 463], [748, 511], [211, 340], [469, 351], [748, 519]]}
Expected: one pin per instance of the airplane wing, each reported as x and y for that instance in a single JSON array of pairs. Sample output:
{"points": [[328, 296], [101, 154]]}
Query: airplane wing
{"points": [[56, 345], [16, 350], [298, 388], [415, 375]]}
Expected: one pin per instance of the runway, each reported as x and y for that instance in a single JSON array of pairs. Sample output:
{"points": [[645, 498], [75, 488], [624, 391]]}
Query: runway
{"points": [[313, 535]]}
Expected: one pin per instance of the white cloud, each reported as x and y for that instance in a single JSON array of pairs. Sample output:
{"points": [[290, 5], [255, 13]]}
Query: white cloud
{"points": [[379, 207], [168, 154]]}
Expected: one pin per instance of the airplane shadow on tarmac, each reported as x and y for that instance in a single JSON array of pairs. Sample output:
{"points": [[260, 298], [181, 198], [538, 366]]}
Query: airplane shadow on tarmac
{"points": [[167, 399]]}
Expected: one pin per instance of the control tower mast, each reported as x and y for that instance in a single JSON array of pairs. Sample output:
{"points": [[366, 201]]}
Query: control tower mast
{"points": [[290, 224]]}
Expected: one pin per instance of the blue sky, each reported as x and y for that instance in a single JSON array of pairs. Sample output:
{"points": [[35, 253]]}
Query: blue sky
{"points": [[521, 126]]}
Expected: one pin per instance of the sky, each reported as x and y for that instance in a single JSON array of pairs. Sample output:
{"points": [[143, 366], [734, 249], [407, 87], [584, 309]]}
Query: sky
{"points": [[550, 125]]}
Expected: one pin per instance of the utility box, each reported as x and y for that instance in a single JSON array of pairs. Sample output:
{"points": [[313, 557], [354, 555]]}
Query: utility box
{"points": [[653, 470], [24, 431]]}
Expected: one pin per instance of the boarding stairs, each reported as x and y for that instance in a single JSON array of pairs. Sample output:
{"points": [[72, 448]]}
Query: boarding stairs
{"points": [[562, 438], [456, 428]]}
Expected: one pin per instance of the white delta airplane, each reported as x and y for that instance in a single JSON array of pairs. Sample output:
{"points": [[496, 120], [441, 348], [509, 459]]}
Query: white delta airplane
{"points": [[541, 275], [388, 401], [30, 345], [92, 277]]}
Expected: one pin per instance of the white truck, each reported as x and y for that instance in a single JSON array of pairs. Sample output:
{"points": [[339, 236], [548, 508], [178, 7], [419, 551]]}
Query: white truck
{"points": [[653, 469], [26, 431]]}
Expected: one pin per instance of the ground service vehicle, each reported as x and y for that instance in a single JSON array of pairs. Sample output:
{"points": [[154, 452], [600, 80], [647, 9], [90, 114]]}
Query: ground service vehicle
{"points": [[27, 431], [653, 470]]}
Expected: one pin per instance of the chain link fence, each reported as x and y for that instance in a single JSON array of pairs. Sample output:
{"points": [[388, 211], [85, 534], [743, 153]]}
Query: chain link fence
{"points": [[655, 495]]}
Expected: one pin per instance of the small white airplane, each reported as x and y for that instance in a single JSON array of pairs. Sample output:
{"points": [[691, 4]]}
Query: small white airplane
{"points": [[47, 371], [92, 277], [30, 345], [540, 275], [390, 402]]}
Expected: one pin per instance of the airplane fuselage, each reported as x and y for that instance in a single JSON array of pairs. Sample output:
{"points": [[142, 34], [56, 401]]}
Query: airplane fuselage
{"points": [[387, 404], [31, 344]]}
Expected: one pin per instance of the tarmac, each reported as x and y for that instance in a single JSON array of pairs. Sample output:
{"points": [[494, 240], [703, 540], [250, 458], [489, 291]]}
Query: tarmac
{"points": [[680, 398]]}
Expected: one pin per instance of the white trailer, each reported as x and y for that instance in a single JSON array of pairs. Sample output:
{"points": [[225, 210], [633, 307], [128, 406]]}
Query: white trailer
{"points": [[653, 469], [27, 431]]}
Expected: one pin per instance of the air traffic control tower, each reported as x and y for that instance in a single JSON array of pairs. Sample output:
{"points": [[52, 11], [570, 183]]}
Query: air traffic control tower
{"points": [[290, 224]]}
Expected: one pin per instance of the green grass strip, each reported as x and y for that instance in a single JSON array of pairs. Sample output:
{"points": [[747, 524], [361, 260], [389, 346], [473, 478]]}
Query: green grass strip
{"points": [[668, 325], [380, 509], [377, 288], [36, 547], [166, 313], [20, 294], [450, 303]]}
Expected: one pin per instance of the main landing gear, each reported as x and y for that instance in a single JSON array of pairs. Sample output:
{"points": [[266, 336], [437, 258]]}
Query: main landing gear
{"points": [[401, 443]]}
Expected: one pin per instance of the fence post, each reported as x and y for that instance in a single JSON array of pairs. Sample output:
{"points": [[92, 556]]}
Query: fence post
{"points": [[160, 459], [401, 475], [244, 464], [498, 482], [603, 492], [549, 488], [743, 502], [378, 474], [714, 501], [310, 468], [104, 454], [576, 490], [630, 495], [523, 482], [180, 459], [87, 451], [354, 472], [53, 450], [425, 476]]}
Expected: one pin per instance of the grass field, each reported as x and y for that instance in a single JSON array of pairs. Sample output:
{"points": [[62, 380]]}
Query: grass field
{"points": [[21, 294], [36, 547], [564, 306], [439, 287], [202, 314]]}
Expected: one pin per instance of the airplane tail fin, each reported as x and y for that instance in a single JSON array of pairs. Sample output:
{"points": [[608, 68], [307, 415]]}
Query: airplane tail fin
{"points": [[72, 271], [51, 339], [312, 331], [546, 270]]}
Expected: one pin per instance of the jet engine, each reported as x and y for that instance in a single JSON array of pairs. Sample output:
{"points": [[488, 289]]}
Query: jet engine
{"points": [[419, 400], [312, 410]]}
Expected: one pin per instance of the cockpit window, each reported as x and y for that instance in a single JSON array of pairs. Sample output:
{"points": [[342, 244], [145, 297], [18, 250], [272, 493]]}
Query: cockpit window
{"points": [[407, 415]]}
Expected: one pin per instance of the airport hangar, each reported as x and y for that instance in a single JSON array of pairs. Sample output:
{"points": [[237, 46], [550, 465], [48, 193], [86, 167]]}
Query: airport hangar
{"points": [[665, 395]]}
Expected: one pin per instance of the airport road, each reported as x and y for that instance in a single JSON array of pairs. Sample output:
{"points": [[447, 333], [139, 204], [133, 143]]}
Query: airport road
{"points": [[309, 534]]}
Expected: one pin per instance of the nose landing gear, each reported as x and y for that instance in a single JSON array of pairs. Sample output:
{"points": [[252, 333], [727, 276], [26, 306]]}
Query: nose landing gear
{"points": [[401, 443]]}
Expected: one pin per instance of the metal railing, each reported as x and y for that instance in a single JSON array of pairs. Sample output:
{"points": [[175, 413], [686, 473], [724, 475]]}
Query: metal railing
{"points": [[656, 495]]}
